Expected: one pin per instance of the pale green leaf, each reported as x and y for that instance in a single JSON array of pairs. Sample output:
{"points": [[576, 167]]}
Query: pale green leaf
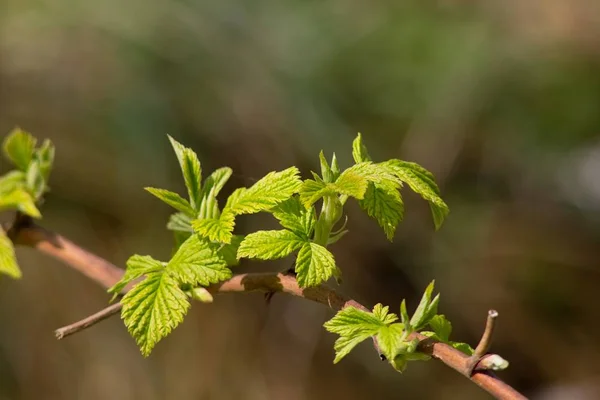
{"points": [[359, 150], [201, 294], [11, 181], [216, 229], [463, 347], [385, 205], [8, 259], [404, 315], [441, 326], [295, 217], [422, 182], [312, 190], [426, 309], [173, 199], [196, 262], [325, 169], [192, 171], [314, 265], [137, 266], [215, 182], [21, 200], [270, 245], [18, 147], [335, 168], [229, 251], [382, 313], [45, 157], [351, 183], [272, 189], [153, 308], [180, 222], [353, 326], [390, 339], [36, 185]]}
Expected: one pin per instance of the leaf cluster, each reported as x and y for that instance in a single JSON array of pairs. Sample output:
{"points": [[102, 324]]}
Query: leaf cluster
{"points": [[392, 334], [22, 188]]}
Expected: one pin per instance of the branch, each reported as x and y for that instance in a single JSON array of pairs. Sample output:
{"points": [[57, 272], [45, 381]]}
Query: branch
{"points": [[106, 274]]}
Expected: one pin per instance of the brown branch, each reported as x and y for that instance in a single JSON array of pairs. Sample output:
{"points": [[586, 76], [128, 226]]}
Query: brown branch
{"points": [[89, 321], [107, 275]]}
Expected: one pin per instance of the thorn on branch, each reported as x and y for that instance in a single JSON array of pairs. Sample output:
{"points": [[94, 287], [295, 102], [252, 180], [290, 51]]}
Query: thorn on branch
{"points": [[484, 344]]}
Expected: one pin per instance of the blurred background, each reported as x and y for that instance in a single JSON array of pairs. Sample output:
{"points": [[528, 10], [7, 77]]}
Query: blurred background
{"points": [[499, 99]]}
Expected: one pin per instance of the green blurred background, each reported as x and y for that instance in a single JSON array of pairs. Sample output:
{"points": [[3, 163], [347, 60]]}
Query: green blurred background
{"points": [[499, 98]]}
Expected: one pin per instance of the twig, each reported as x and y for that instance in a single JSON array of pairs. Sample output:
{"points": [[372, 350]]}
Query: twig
{"points": [[485, 343], [87, 322], [107, 275]]}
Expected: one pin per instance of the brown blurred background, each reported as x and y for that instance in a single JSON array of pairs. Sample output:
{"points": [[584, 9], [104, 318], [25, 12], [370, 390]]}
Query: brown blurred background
{"points": [[500, 99]]}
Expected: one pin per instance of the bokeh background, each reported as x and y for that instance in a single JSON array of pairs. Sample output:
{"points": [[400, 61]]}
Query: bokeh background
{"points": [[499, 98]]}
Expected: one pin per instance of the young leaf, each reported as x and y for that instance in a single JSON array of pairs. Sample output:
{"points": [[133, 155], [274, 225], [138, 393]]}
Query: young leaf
{"points": [[196, 262], [270, 245], [385, 205], [44, 155], [325, 169], [269, 191], [351, 183], [215, 182], [335, 168], [8, 259], [153, 308], [390, 338], [21, 200], [442, 327], [463, 347], [314, 265], [312, 190], [426, 310], [18, 147], [11, 181], [35, 183], [295, 217], [404, 315], [422, 182], [192, 171], [359, 150], [382, 313], [137, 266], [229, 251], [180, 222], [353, 326], [174, 200], [216, 229]]}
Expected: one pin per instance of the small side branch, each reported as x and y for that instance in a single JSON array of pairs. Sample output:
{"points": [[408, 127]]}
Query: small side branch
{"points": [[87, 322]]}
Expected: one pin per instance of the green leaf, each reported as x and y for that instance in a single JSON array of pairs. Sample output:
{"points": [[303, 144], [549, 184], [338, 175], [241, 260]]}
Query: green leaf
{"points": [[441, 326], [8, 259], [385, 206], [426, 310], [216, 229], [18, 147], [382, 313], [201, 294], [11, 181], [174, 200], [292, 215], [44, 155], [463, 347], [35, 182], [314, 265], [196, 262], [359, 150], [272, 189], [390, 339], [312, 190], [270, 245], [137, 266], [215, 182], [21, 200], [351, 183], [180, 222], [229, 251], [192, 171], [153, 308], [353, 326], [335, 168], [404, 315], [422, 182], [325, 169]]}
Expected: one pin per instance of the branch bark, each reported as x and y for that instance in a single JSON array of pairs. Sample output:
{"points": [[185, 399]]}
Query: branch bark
{"points": [[107, 274]]}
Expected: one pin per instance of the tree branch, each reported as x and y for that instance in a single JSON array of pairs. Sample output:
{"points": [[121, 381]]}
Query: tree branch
{"points": [[106, 274]]}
